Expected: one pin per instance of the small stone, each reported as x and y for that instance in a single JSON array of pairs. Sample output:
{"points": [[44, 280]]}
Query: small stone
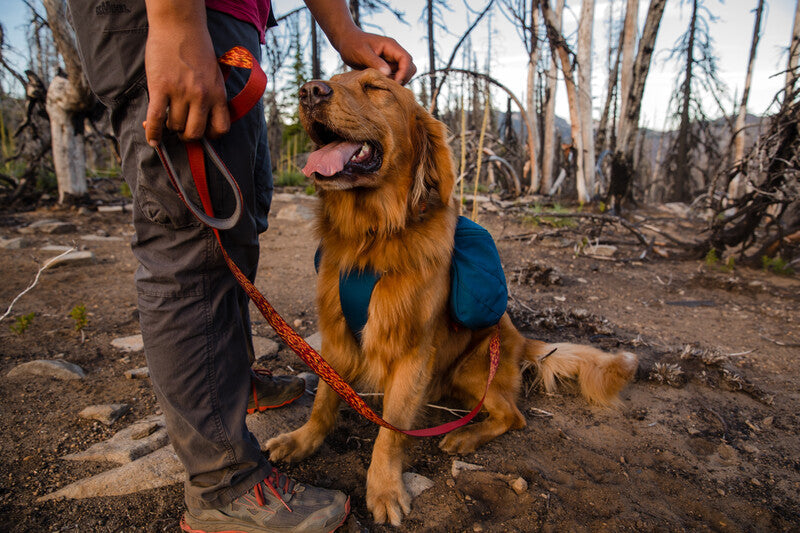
{"points": [[315, 341], [298, 322], [560, 298], [158, 469], [132, 343], [416, 484], [138, 373], [100, 238], [107, 414], [581, 280], [601, 250], [49, 226], [56, 248], [749, 448], [142, 430], [56, 369], [110, 208], [74, 259], [460, 466], [519, 485], [450, 483], [477, 528], [264, 347], [17, 243], [767, 422], [128, 444], [755, 482]]}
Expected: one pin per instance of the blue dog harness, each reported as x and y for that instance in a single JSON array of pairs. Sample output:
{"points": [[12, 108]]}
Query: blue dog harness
{"points": [[478, 290]]}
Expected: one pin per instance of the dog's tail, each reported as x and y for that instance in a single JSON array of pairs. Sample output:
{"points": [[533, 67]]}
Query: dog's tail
{"points": [[601, 375]]}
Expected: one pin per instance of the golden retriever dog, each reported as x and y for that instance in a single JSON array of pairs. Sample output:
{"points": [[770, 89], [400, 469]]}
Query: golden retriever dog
{"points": [[385, 179]]}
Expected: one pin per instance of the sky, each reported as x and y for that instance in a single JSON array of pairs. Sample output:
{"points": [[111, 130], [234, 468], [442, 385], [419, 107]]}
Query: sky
{"points": [[731, 31]]}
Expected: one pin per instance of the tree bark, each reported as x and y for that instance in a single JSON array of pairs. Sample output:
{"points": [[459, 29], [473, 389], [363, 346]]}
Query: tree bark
{"points": [[558, 42], [585, 95], [629, 122], [794, 55], [68, 99], [530, 97], [549, 144], [604, 140], [316, 68], [431, 55], [682, 180], [739, 133], [628, 46]]}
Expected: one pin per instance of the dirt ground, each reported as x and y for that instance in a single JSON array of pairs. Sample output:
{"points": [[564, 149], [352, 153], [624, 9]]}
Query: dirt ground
{"points": [[708, 445]]}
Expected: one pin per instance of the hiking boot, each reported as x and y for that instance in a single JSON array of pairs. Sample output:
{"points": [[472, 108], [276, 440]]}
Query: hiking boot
{"points": [[270, 391], [276, 504]]}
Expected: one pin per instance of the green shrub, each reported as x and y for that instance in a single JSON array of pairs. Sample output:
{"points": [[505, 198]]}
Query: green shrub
{"points": [[22, 323]]}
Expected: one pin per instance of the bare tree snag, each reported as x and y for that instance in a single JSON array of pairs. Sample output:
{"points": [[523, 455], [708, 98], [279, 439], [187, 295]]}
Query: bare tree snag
{"points": [[628, 46], [585, 96], [629, 121], [558, 43], [794, 55], [549, 141], [739, 133], [68, 99]]}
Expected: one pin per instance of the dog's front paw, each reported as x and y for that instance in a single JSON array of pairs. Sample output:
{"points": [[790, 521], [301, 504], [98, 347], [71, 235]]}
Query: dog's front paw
{"points": [[389, 503], [294, 446], [461, 441]]}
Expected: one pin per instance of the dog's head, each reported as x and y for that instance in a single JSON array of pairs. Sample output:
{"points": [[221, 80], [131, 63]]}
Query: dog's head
{"points": [[372, 135]]}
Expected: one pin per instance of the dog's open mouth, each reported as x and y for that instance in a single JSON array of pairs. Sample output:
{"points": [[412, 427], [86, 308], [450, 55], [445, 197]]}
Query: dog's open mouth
{"points": [[338, 157]]}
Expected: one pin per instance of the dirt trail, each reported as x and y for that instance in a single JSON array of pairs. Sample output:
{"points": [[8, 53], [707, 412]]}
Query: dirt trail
{"points": [[705, 439]]}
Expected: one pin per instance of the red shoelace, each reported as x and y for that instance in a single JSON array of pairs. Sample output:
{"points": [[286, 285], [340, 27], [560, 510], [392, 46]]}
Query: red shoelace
{"points": [[274, 478]]}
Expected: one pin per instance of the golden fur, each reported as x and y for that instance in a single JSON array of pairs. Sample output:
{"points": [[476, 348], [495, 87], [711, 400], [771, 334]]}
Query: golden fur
{"points": [[399, 220]]}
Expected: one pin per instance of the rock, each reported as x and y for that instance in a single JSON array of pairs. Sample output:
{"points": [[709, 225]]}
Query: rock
{"points": [[138, 373], [298, 322], [107, 414], [519, 485], [16, 243], [101, 238], [601, 250], [74, 259], [461, 466], [296, 212], [272, 422], [159, 469], [113, 208], [50, 227], [132, 343], [416, 484], [57, 369], [315, 341], [264, 347], [129, 444]]}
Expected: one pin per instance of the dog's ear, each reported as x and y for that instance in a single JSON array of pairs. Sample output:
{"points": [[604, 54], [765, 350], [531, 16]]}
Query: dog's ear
{"points": [[434, 164]]}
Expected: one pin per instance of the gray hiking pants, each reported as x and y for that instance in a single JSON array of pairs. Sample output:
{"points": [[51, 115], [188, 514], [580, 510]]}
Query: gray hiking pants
{"points": [[193, 314]]}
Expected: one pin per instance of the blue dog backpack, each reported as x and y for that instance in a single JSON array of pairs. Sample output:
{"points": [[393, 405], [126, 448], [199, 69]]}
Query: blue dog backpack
{"points": [[478, 290]]}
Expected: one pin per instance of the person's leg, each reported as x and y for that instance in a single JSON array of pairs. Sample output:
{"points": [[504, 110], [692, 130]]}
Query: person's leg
{"points": [[192, 312]]}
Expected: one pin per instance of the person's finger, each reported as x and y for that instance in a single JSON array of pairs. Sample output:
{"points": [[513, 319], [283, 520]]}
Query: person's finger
{"points": [[405, 69], [195, 123], [177, 115], [156, 115], [219, 122]]}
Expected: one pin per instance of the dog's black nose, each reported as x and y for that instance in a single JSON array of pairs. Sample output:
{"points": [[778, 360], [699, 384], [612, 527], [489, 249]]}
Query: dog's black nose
{"points": [[314, 93]]}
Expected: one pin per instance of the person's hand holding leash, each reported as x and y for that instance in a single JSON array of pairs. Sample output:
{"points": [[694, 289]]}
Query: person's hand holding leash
{"points": [[184, 82]]}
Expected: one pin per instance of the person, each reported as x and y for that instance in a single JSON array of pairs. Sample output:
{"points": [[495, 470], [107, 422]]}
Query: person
{"points": [[154, 62]]}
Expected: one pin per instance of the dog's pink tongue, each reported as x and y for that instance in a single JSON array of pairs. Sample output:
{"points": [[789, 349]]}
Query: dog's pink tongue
{"points": [[331, 158]]}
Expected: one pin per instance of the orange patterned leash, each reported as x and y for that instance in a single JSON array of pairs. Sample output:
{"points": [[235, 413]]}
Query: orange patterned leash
{"points": [[241, 57]]}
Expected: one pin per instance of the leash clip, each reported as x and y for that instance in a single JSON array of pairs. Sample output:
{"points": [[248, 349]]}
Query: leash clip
{"points": [[216, 223]]}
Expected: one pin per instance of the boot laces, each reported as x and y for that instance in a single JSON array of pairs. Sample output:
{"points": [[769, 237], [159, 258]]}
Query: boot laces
{"points": [[275, 481]]}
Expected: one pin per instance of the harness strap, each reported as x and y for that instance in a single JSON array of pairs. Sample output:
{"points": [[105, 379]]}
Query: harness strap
{"points": [[241, 57]]}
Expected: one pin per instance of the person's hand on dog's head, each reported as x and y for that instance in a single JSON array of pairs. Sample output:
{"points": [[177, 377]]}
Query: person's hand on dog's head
{"points": [[367, 50]]}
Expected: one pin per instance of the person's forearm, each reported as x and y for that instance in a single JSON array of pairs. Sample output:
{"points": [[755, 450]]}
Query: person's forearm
{"points": [[333, 16], [176, 15]]}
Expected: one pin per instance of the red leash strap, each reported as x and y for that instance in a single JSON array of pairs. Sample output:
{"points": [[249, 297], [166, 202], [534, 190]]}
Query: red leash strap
{"points": [[239, 105]]}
